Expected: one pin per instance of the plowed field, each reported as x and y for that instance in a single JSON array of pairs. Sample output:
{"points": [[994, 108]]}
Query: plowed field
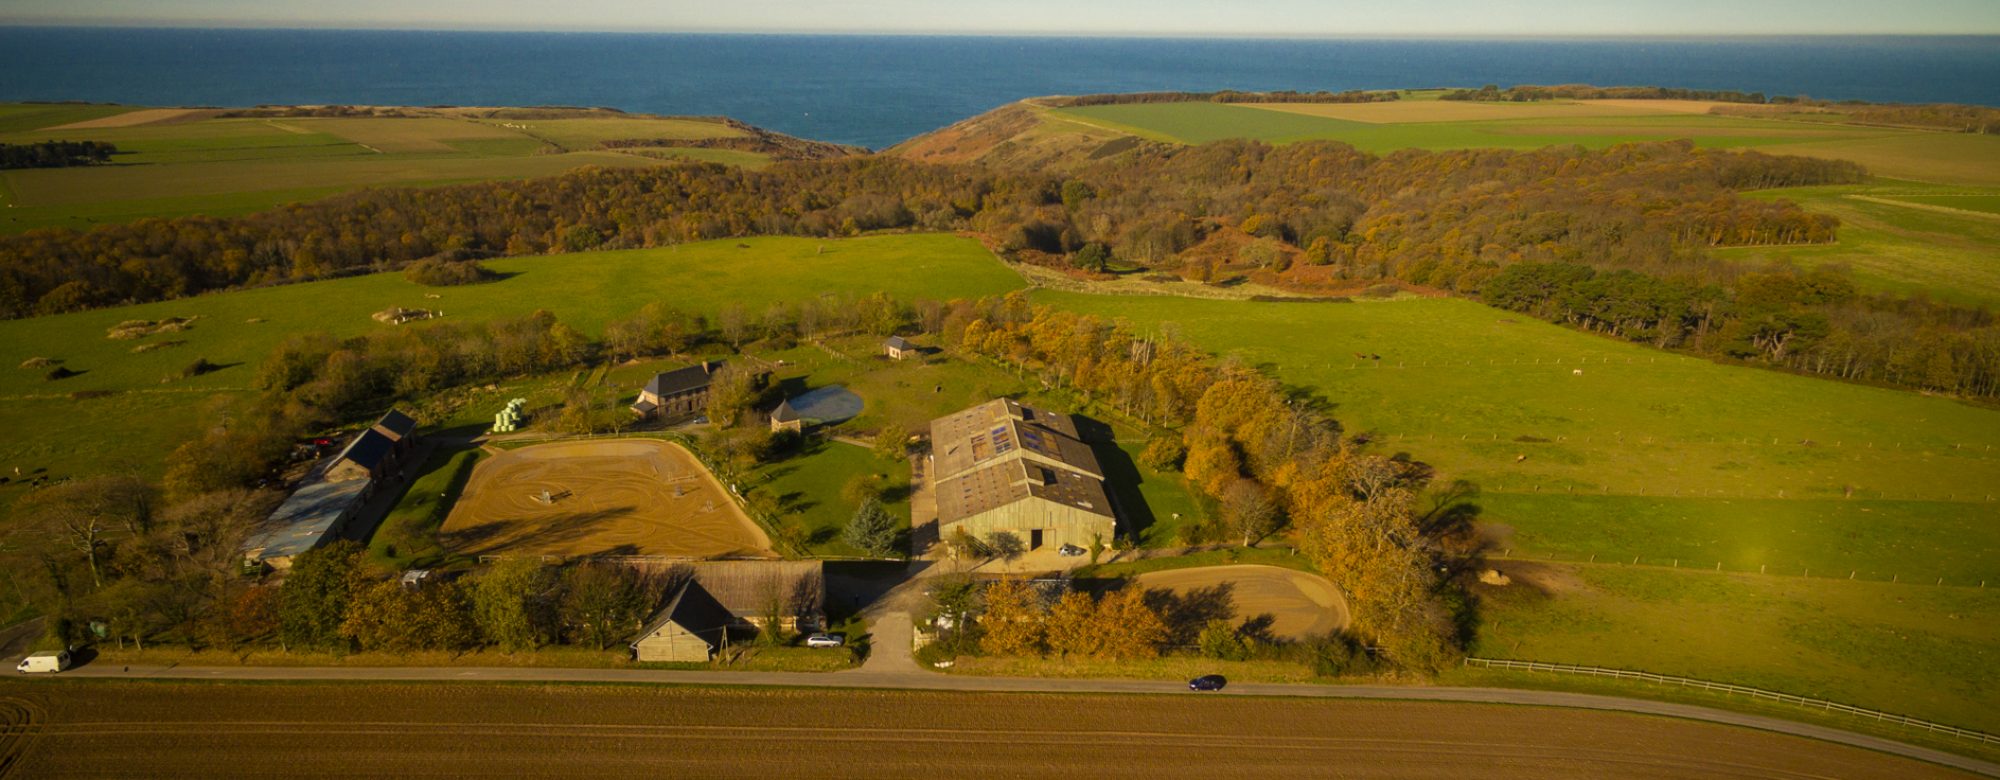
{"points": [[390, 730]]}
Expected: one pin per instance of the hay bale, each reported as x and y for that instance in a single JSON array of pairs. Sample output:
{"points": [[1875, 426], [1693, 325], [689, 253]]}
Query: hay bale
{"points": [[1494, 577], [40, 362]]}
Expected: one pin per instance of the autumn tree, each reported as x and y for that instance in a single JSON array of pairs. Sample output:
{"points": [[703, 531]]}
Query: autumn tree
{"points": [[318, 590], [1005, 545], [514, 604], [1072, 626], [1248, 508], [602, 604], [1130, 628], [1011, 619], [732, 391], [85, 514]]}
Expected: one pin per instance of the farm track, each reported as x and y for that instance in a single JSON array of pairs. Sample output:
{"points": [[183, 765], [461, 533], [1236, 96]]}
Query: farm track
{"points": [[450, 729], [20, 723]]}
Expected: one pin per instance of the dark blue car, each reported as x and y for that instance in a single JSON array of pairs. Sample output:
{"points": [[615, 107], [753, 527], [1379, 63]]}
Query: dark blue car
{"points": [[1207, 682]]}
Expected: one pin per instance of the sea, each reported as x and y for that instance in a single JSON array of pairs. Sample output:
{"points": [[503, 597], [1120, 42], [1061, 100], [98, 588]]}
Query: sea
{"points": [[877, 90]]}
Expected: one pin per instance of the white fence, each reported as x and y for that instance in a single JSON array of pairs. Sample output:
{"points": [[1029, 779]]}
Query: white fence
{"points": [[1755, 693]]}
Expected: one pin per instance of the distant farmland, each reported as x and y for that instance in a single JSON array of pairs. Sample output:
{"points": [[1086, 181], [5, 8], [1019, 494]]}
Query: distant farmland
{"points": [[198, 164], [1954, 158]]}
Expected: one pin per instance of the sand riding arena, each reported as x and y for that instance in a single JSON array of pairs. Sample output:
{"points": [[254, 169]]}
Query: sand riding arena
{"points": [[1300, 605], [614, 497]]}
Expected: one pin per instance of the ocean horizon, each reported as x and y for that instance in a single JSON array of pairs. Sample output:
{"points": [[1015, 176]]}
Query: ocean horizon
{"points": [[877, 89]]}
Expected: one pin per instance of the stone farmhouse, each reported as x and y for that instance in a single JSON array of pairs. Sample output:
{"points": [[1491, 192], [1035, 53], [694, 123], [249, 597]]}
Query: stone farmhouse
{"points": [[676, 394]]}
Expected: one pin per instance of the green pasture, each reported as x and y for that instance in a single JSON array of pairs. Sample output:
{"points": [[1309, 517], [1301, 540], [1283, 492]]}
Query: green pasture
{"points": [[808, 487], [1923, 542], [407, 536], [1910, 154], [581, 134], [1493, 397], [1919, 650], [227, 167], [147, 415], [1902, 238], [20, 117]]}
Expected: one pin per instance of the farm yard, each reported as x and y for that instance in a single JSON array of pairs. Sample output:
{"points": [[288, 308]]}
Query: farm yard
{"points": [[554, 730], [612, 497], [176, 162]]}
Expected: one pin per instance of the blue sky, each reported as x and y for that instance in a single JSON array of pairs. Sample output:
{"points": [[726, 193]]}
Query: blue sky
{"points": [[1079, 17]]}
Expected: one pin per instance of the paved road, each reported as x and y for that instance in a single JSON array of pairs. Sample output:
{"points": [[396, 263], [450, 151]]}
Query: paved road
{"points": [[868, 677]]}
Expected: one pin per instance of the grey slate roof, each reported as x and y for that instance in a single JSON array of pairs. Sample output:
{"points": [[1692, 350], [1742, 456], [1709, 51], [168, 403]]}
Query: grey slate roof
{"points": [[368, 449], [896, 342], [681, 380], [784, 412], [396, 425], [693, 609]]}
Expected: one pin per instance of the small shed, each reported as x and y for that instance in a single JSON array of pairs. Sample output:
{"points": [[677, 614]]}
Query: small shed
{"points": [[689, 629], [897, 349], [785, 418]]}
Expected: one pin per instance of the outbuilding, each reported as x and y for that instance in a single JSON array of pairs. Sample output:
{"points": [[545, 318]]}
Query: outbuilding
{"points": [[691, 628]]}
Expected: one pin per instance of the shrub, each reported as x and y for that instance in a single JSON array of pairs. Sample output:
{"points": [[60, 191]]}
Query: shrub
{"points": [[1220, 641], [445, 273], [1166, 452]]}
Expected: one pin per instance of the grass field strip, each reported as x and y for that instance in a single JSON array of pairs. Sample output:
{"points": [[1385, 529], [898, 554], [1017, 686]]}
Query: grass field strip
{"points": [[1755, 693], [1692, 566]]}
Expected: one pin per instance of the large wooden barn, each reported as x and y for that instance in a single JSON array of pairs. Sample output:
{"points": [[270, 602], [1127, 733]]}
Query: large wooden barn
{"points": [[1004, 466]]}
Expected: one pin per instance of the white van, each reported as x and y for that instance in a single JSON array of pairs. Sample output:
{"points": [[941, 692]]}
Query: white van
{"points": [[45, 661]]}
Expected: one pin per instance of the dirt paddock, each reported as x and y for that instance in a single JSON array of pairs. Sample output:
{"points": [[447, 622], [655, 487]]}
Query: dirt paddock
{"points": [[612, 497], [1301, 604], [449, 730]]}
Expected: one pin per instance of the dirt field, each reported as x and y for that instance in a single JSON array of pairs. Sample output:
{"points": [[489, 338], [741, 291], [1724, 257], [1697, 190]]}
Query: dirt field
{"points": [[144, 116], [1300, 604], [439, 730], [617, 497]]}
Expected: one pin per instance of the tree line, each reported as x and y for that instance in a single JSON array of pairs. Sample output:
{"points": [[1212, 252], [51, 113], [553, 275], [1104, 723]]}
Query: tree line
{"points": [[1529, 92], [1315, 215], [55, 154], [1226, 96]]}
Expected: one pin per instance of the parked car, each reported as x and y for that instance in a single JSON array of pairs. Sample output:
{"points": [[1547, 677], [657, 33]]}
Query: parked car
{"points": [[47, 661], [1207, 682], [1070, 551], [825, 640]]}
